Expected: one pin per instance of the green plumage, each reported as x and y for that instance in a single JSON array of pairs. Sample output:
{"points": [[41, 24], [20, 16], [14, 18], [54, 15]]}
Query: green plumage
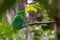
{"points": [[18, 19]]}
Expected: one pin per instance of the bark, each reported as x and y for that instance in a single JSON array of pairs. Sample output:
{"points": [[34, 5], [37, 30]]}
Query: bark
{"points": [[56, 4], [58, 28]]}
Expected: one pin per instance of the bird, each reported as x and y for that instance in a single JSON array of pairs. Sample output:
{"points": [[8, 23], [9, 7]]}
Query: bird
{"points": [[18, 19]]}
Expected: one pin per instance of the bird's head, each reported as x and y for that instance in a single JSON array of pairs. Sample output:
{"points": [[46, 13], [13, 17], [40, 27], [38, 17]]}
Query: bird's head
{"points": [[21, 12]]}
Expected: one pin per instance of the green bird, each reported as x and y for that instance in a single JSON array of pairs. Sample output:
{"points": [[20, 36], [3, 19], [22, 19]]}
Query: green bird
{"points": [[18, 19]]}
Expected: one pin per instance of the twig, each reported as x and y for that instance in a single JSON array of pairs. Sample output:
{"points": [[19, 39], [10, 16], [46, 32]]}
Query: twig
{"points": [[37, 23]]}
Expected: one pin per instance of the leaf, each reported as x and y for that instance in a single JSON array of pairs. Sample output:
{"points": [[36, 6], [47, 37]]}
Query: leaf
{"points": [[30, 8], [34, 9]]}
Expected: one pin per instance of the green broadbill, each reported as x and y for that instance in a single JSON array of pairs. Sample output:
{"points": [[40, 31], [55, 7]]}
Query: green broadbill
{"points": [[18, 19]]}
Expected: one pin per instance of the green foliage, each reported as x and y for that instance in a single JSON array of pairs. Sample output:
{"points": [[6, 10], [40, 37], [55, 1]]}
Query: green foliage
{"points": [[48, 7], [7, 4], [30, 8], [44, 3], [40, 33], [5, 30], [33, 7]]}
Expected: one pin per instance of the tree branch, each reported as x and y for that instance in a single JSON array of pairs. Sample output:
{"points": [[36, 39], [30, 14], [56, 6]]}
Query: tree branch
{"points": [[37, 23]]}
